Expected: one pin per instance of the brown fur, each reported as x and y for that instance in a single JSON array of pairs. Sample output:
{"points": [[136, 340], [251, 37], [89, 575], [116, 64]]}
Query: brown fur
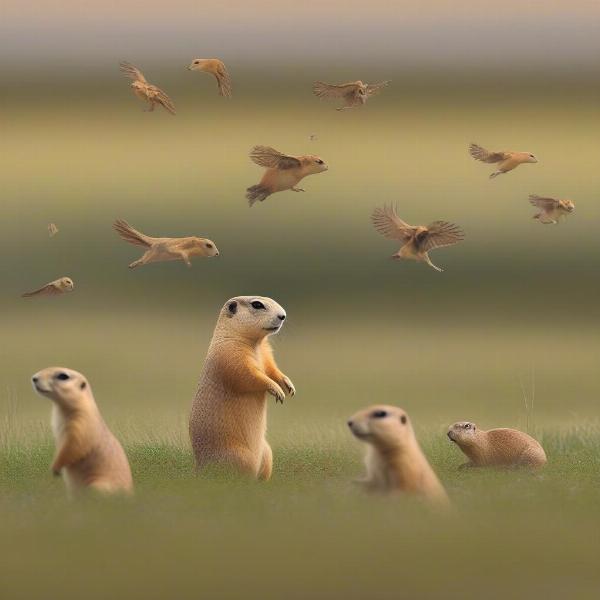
{"points": [[394, 459], [228, 419], [497, 447], [87, 454], [506, 160]]}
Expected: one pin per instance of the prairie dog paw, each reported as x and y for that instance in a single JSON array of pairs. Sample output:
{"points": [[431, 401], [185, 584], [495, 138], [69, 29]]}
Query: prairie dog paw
{"points": [[289, 386], [277, 392]]}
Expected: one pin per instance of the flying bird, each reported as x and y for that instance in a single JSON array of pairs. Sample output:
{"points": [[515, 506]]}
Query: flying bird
{"points": [[551, 209], [507, 160], [283, 172], [52, 229], [54, 288], [146, 91], [355, 93], [164, 248], [417, 240], [215, 67]]}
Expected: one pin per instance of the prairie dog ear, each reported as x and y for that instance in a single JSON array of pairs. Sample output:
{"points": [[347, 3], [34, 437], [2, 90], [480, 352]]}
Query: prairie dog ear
{"points": [[232, 308]]}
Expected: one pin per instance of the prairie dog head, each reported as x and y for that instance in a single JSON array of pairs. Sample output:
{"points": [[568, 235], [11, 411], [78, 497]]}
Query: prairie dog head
{"points": [[567, 205], [67, 388], [199, 64], [253, 317], [313, 164], [204, 247], [463, 433], [383, 426]]}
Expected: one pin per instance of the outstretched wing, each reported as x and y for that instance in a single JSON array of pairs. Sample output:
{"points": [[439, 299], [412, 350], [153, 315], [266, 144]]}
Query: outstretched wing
{"points": [[543, 203], [375, 88], [132, 72], [162, 98], [389, 224], [50, 289], [265, 156], [480, 153], [442, 233], [329, 90]]}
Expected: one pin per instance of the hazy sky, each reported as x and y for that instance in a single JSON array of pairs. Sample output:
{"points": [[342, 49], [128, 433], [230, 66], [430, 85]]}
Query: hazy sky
{"points": [[438, 33]]}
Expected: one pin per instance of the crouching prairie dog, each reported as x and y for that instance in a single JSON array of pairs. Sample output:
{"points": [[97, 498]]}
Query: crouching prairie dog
{"points": [[496, 447], [394, 459], [87, 455], [228, 420]]}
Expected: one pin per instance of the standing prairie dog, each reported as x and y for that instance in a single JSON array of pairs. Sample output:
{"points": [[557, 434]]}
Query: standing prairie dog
{"points": [[394, 459], [228, 420], [87, 455], [496, 447]]}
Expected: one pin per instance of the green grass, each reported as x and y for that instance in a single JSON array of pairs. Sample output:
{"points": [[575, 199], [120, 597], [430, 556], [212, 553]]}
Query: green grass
{"points": [[309, 532]]}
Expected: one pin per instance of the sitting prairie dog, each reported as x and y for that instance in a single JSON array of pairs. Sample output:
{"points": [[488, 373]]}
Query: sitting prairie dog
{"points": [[87, 455], [394, 459], [496, 447], [228, 420]]}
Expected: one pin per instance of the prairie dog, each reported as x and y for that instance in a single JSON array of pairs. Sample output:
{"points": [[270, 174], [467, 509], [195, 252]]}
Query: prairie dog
{"points": [[496, 447], [228, 420], [87, 455], [394, 459]]}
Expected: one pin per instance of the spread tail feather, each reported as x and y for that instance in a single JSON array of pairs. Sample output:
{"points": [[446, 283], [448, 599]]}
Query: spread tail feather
{"points": [[257, 193], [131, 235]]}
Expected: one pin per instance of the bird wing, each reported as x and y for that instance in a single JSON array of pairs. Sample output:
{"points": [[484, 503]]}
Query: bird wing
{"points": [[329, 90], [442, 233], [375, 88], [162, 98], [480, 153], [223, 80], [389, 224], [50, 289], [132, 72], [265, 156], [543, 203]]}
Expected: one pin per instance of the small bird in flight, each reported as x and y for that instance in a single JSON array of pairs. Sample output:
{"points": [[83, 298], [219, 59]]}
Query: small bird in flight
{"points": [[165, 249], [215, 67], [507, 161], [54, 288], [283, 172], [146, 91], [417, 240], [353, 94], [52, 229], [551, 209]]}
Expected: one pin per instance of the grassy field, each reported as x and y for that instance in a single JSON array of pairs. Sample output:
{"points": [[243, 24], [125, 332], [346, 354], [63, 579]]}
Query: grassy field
{"points": [[507, 336]]}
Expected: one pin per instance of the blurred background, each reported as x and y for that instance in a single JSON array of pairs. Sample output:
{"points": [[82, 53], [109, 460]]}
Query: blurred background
{"points": [[507, 335]]}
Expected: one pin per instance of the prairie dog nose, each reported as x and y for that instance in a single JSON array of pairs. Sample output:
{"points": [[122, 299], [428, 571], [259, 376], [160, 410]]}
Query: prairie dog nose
{"points": [[34, 379], [349, 423], [281, 317]]}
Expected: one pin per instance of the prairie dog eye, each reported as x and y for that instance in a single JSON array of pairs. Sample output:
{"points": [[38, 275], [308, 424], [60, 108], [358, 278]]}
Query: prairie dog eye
{"points": [[62, 376], [258, 305], [209, 245], [379, 414], [319, 161]]}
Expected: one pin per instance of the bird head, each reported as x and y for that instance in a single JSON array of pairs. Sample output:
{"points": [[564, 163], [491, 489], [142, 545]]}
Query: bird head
{"points": [[314, 164], [198, 64], [531, 158], [567, 205]]}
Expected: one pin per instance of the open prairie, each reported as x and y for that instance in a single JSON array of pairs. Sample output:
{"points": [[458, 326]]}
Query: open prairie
{"points": [[508, 335]]}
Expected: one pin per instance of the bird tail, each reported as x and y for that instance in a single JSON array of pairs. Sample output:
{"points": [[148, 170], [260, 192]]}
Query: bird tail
{"points": [[257, 193], [131, 235]]}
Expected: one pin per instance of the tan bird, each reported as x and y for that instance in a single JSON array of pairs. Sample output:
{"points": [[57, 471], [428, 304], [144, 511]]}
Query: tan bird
{"points": [[355, 93], [146, 91], [163, 248], [54, 288], [418, 240], [551, 209], [215, 67], [284, 172], [507, 160], [52, 229]]}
